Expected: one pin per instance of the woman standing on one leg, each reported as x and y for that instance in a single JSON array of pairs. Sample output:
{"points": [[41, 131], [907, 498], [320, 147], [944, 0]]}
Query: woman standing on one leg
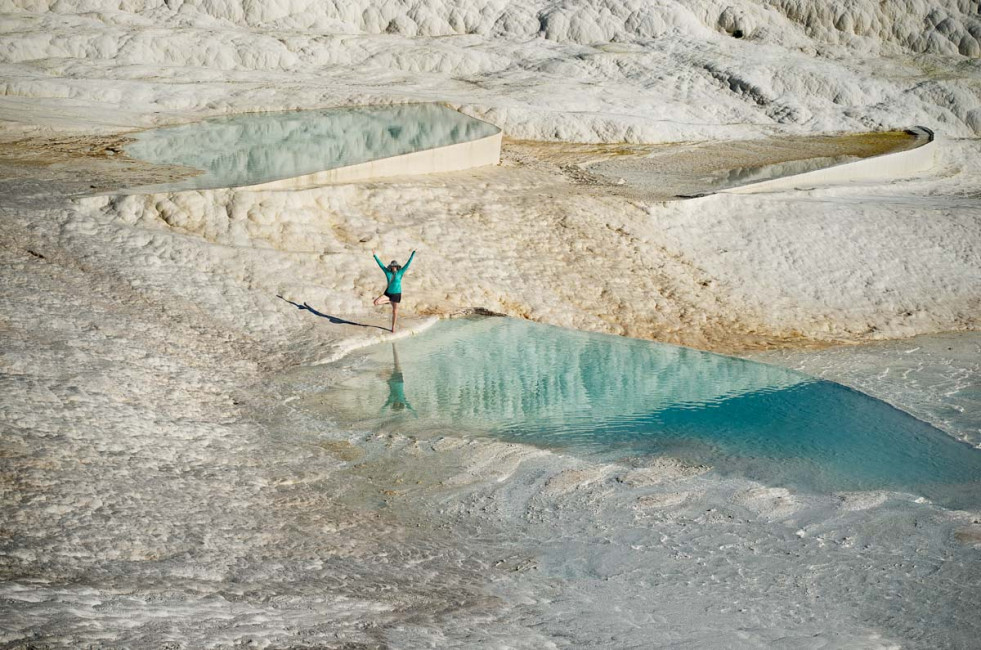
{"points": [[393, 292]]}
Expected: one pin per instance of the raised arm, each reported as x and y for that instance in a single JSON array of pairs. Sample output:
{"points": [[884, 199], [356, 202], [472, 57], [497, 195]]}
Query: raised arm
{"points": [[380, 265], [406, 267]]}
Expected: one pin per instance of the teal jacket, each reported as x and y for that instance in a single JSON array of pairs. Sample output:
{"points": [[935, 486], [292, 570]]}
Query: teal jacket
{"points": [[395, 279]]}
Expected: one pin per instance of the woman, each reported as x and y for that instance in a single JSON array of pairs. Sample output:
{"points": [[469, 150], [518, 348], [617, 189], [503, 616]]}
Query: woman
{"points": [[393, 292]]}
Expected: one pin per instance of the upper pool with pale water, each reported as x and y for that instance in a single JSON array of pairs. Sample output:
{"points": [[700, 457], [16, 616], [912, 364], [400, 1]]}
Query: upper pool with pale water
{"points": [[612, 397], [253, 148]]}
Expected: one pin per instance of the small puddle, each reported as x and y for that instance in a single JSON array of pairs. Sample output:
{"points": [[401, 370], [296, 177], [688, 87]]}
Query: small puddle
{"points": [[611, 397], [254, 148]]}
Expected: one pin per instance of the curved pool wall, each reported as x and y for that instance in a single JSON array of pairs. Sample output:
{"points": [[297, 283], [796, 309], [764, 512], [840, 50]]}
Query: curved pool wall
{"points": [[300, 149], [612, 397], [880, 168]]}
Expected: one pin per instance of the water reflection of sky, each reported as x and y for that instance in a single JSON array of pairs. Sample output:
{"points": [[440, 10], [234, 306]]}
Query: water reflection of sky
{"points": [[614, 397], [730, 178], [260, 147]]}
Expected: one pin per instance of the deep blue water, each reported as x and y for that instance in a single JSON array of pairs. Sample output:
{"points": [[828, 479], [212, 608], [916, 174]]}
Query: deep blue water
{"points": [[614, 397]]}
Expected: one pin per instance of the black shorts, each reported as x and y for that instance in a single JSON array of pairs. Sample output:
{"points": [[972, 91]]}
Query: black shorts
{"points": [[393, 297]]}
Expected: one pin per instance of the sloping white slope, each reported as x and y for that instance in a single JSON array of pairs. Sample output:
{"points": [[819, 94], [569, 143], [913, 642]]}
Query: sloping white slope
{"points": [[942, 27], [590, 71]]}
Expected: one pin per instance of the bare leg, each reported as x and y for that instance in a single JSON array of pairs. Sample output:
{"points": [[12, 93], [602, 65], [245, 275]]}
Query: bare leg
{"points": [[380, 300], [395, 315]]}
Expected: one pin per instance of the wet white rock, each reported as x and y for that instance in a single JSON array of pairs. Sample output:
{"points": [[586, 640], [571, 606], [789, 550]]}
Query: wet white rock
{"points": [[160, 489]]}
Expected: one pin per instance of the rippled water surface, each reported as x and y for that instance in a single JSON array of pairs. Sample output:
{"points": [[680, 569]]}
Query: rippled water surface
{"points": [[257, 148], [614, 397]]}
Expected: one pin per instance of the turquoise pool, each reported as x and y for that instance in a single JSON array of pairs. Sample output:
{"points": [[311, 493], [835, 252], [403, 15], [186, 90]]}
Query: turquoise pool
{"points": [[612, 397], [253, 148]]}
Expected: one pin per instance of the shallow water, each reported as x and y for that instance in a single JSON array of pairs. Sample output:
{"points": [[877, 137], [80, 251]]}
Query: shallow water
{"points": [[936, 377], [705, 168], [255, 148], [730, 178], [739, 176], [613, 397]]}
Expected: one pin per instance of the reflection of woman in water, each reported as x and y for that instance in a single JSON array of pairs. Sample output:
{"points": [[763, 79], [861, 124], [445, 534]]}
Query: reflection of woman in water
{"points": [[396, 387], [393, 291]]}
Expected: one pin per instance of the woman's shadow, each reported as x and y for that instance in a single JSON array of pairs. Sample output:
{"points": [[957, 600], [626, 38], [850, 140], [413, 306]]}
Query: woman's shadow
{"points": [[333, 319]]}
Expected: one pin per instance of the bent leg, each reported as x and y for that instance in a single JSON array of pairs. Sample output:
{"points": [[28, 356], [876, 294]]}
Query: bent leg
{"points": [[380, 300]]}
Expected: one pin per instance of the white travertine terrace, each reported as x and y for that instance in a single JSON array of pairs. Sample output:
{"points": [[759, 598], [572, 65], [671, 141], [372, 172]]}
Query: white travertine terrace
{"points": [[153, 496]]}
